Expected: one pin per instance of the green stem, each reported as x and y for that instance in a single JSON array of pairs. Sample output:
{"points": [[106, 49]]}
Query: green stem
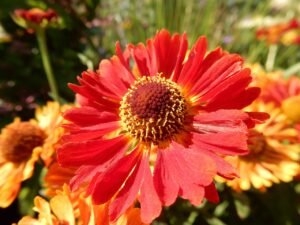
{"points": [[41, 37], [292, 70], [271, 57]]}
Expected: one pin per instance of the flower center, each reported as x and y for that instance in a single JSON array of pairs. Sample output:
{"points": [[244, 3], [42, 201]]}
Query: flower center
{"points": [[153, 109], [19, 139], [257, 145]]}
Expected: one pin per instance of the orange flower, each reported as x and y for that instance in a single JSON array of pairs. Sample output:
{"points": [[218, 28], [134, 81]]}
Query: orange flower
{"points": [[21, 144], [64, 209], [279, 33], [20, 147], [274, 153]]}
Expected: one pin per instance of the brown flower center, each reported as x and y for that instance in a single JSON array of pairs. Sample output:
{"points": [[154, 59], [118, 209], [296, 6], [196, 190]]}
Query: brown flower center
{"points": [[153, 109], [19, 139], [257, 145]]}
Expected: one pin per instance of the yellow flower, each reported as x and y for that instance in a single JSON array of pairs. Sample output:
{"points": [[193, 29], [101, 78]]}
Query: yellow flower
{"points": [[21, 145], [274, 153], [64, 209]]}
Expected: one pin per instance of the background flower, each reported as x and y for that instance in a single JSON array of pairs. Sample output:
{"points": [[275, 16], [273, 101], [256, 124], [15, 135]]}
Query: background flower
{"points": [[64, 209], [274, 152], [280, 33], [285, 93], [22, 143], [35, 18]]}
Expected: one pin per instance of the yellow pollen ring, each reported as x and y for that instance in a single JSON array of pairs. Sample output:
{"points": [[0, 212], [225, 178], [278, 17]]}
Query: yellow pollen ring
{"points": [[153, 109]]}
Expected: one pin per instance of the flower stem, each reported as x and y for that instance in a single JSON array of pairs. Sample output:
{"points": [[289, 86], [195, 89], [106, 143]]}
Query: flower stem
{"points": [[41, 37], [271, 57]]}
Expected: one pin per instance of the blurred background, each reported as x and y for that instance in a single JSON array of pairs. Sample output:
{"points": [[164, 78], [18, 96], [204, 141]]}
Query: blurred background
{"points": [[88, 32]]}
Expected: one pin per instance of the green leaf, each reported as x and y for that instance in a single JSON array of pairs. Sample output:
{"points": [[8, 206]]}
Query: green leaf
{"points": [[215, 221], [242, 205]]}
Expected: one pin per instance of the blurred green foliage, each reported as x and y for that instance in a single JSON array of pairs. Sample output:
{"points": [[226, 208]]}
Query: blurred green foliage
{"points": [[91, 28]]}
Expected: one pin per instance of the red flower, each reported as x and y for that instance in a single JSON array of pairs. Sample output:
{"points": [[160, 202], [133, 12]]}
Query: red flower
{"points": [[36, 15], [158, 130]]}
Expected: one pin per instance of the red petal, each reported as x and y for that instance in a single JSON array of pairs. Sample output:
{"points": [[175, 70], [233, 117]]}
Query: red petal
{"points": [[200, 167], [200, 170], [178, 161], [211, 58], [223, 131], [142, 59], [241, 100], [97, 127], [105, 186], [190, 71], [193, 192], [256, 118], [165, 185], [96, 98], [91, 152], [167, 48], [81, 100], [222, 117], [87, 116], [114, 74], [230, 143], [92, 81], [129, 191], [217, 73], [211, 193], [124, 57], [181, 56], [224, 169], [85, 134], [84, 174], [293, 86], [221, 121], [230, 93], [150, 203], [222, 83], [163, 54]]}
